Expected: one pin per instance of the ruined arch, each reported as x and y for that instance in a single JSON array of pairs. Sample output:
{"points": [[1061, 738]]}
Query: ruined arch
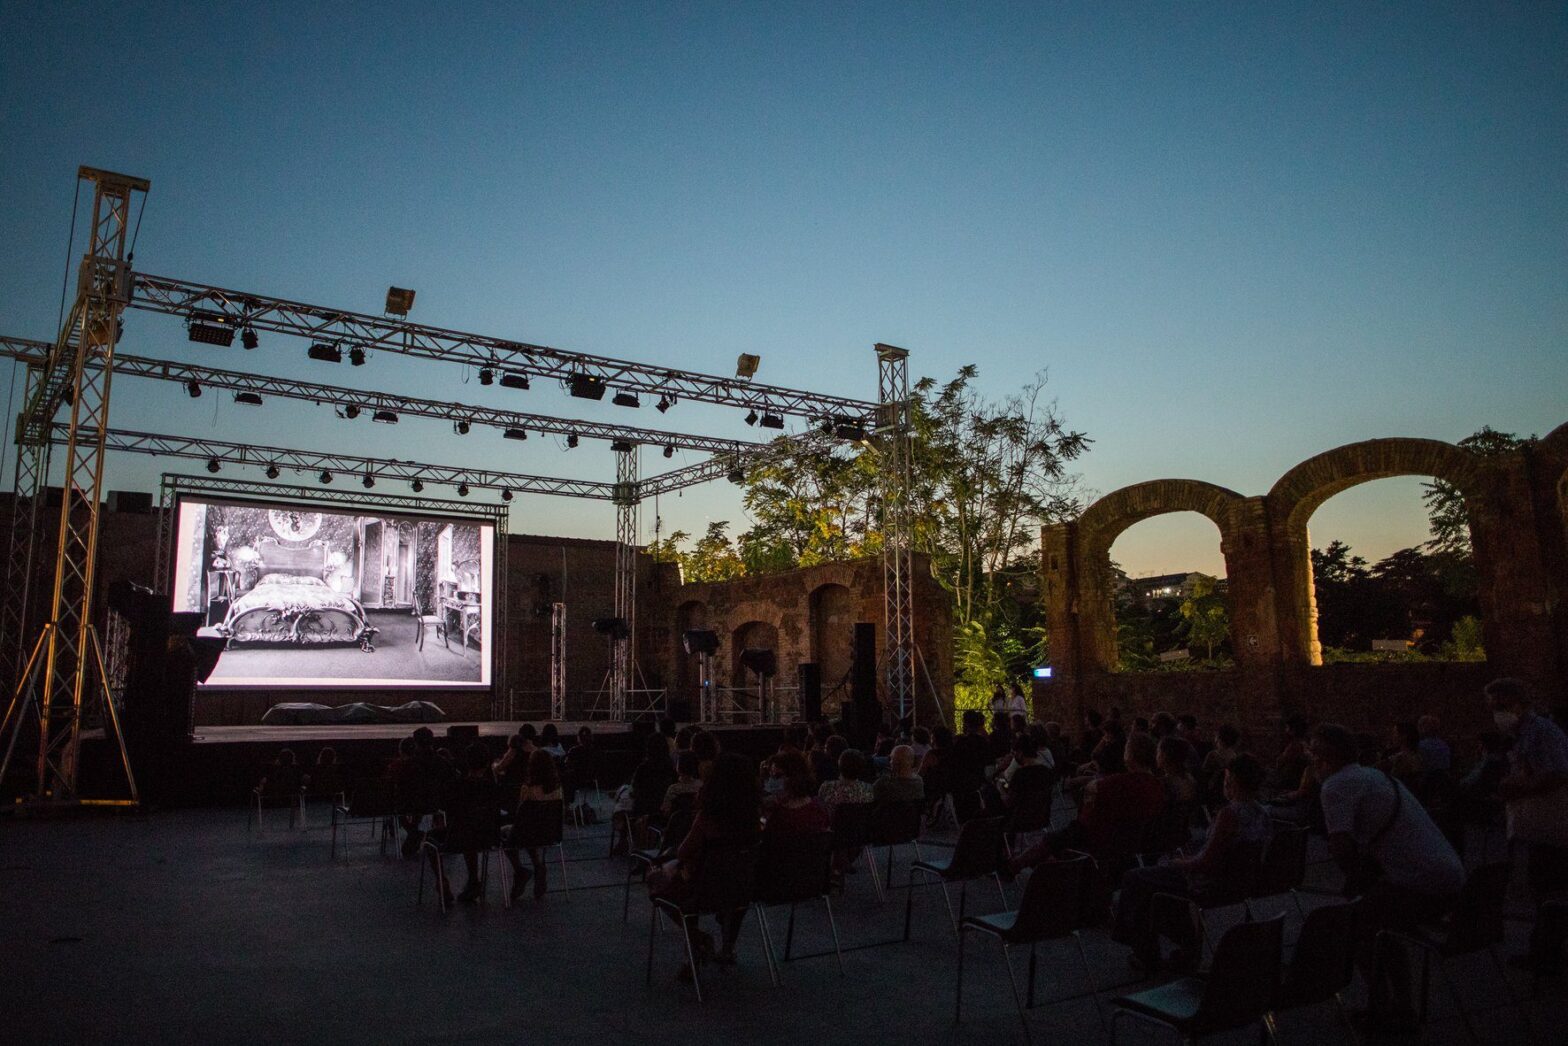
{"points": [[1105, 520], [1303, 490]]}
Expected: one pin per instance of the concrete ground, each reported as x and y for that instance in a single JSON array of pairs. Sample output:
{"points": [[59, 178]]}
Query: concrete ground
{"points": [[183, 926]]}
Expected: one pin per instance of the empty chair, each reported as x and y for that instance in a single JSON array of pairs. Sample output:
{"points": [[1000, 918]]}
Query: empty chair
{"points": [[283, 785], [1475, 925], [794, 867], [369, 802], [1240, 988], [1324, 963], [1283, 866], [977, 854], [1055, 904], [538, 826], [723, 885], [894, 824]]}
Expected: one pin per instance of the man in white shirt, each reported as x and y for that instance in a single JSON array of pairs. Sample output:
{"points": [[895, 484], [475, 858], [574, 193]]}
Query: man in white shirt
{"points": [[1392, 854]]}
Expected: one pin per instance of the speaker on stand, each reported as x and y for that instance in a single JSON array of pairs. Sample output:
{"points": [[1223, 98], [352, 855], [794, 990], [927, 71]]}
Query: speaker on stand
{"points": [[810, 691], [866, 716]]}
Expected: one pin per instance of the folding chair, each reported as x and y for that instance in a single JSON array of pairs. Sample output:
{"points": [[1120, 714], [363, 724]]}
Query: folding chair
{"points": [[793, 868], [893, 824], [977, 854], [538, 826], [722, 886], [369, 802], [1239, 988]]}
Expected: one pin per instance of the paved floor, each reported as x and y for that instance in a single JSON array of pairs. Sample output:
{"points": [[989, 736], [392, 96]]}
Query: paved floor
{"points": [[182, 927]]}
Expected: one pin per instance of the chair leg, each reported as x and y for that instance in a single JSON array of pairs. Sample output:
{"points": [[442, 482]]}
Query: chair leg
{"points": [[1029, 1001], [626, 902], [1088, 979], [833, 925], [871, 866], [1000, 889], [653, 925], [789, 934], [566, 885], [1018, 1001], [958, 984], [767, 943], [963, 897], [691, 955], [909, 900]]}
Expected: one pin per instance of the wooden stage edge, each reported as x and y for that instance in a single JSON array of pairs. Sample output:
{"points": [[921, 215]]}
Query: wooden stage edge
{"points": [[316, 732]]}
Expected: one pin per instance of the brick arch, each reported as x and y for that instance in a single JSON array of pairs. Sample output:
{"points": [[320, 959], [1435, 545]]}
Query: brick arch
{"points": [[1303, 490], [1105, 520]]}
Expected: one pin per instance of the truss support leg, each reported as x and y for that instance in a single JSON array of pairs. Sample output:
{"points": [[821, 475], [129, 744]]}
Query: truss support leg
{"points": [[894, 436], [624, 651]]}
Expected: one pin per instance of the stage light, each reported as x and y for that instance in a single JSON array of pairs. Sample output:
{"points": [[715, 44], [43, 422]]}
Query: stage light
{"points": [[386, 417], [669, 450], [513, 380], [486, 376], [369, 481], [213, 465], [853, 431], [626, 399], [462, 490], [460, 427], [249, 399], [326, 352], [621, 446], [272, 472], [506, 495], [746, 365], [516, 433], [326, 477], [772, 421], [248, 338], [586, 386], [736, 475], [193, 389], [571, 439], [210, 328], [825, 426], [664, 404], [356, 355], [417, 486], [399, 301], [351, 411], [751, 417]]}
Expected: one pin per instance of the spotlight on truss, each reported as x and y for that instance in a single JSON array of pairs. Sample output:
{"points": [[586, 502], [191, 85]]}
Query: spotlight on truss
{"points": [[460, 426], [626, 399], [417, 486], [272, 472], [351, 411], [462, 490], [746, 365], [386, 417], [516, 433], [506, 495], [751, 417], [771, 421], [356, 355], [514, 380], [621, 446], [399, 301], [248, 338], [193, 389], [325, 477], [669, 450], [571, 439], [210, 328], [586, 386], [486, 376], [664, 404], [325, 351], [214, 465], [249, 399], [369, 481]]}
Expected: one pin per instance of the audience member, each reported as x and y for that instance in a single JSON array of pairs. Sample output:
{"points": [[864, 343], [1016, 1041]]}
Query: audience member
{"points": [[1404, 759], [1116, 808], [1018, 705], [901, 784], [542, 784], [1293, 759], [1436, 756], [550, 741], [850, 785], [683, 790], [824, 759], [1171, 760], [706, 746], [472, 804], [1211, 776], [794, 807], [920, 742]]}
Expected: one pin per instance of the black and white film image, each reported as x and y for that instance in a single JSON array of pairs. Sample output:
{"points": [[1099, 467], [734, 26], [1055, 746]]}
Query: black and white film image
{"points": [[310, 596]]}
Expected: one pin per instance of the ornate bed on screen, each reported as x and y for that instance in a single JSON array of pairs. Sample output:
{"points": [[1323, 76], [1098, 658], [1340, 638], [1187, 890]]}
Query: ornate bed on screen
{"points": [[291, 603]]}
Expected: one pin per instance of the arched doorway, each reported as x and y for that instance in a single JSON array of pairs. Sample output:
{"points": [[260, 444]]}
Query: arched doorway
{"points": [[692, 614], [1170, 595]]}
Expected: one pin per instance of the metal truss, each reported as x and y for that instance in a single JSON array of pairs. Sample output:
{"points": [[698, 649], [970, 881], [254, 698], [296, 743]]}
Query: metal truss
{"points": [[738, 459], [624, 651], [368, 402], [348, 466], [558, 661], [16, 606], [894, 434], [66, 672], [259, 312], [174, 484]]}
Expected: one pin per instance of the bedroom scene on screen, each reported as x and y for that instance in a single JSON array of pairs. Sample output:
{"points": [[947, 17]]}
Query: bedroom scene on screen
{"points": [[328, 597]]}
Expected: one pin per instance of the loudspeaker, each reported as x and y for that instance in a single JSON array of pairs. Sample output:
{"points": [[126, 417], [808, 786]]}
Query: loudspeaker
{"points": [[810, 691], [614, 627], [700, 641], [863, 674], [760, 661]]}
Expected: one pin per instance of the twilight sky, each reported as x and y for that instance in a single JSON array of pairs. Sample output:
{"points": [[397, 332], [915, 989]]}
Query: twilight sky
{"points": [[1235, 237]]}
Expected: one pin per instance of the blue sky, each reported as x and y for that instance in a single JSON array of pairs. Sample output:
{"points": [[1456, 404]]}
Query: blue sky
{"points": [[1236, 236]]}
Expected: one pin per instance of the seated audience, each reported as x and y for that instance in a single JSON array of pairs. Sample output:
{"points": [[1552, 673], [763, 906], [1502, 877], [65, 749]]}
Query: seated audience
{"points": [[1436, 756], [706, 746], [550, 741], [645, 794], [901, 784], [472, 804], [850, 785], [824, 759], [1293, 760], [920, 742], [1211, 775], [542, 784], [1219, 872], [1171, 760], [1403, 761], [793, 806], [683, 792], [1024, 778], [1116, 808]]}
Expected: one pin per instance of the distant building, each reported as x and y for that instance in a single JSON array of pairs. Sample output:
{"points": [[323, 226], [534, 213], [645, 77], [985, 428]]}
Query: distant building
{"points": [[1146, 591]]}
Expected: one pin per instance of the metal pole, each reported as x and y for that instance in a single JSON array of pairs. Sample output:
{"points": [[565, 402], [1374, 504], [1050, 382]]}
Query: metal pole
{"points": [[895, 433]]}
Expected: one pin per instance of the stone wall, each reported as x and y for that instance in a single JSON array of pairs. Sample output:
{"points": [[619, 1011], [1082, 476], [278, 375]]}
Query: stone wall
{"points": [[1518, 507]]}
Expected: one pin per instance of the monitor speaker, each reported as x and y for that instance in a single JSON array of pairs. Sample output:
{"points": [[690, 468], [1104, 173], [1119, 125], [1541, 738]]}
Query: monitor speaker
{"points": [[760, 661], [810, 691], [863, 674], [700, 641]]}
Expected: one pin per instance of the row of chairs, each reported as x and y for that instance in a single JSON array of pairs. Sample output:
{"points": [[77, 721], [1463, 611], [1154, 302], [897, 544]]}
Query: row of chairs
{"points": [[536, 825]]}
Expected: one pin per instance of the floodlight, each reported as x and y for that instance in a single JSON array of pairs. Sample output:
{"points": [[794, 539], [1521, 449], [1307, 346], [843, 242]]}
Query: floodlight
{"points": [[250, 399], [514, 380], [771, 421], [210, 328], [356, 355], [193, 389], [850, 430], [486, 375], [326, 352], [746, 365], [571, 439], [736, 475], [417, 486], [751, 417], [506, 495], [516, 433], [626, 399], [326, 477], [213, 465], [386, 417], [460, 426], [621, 446], [669, 450], [462, 490], [399, 300], [369, 481], [272, 472], [586, 386], [248, 338], [664, 404], [351, 411]]}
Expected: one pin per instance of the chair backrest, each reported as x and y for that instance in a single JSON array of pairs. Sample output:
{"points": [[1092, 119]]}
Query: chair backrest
{"points": [[1244, 979], [1055, 900], [1284, 863], [538, 823], [851, 825], [676, 828], [1031, 809], [794, 867], [1324, 963], [371, 798], [725, 879], [978, 851], [895, 823], [1478, 917]]}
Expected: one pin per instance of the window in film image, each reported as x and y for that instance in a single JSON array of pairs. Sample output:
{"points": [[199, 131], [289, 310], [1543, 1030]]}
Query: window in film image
{"points": [[328, 597]]}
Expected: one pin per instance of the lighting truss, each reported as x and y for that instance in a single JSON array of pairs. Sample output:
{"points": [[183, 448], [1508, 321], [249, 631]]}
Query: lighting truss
{"points": [[202, 449], [369, 402], [181, 298]]}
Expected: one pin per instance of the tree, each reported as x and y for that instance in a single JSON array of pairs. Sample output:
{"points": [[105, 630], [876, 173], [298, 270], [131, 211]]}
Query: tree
{"points": [[1205, 614], [713, 558], [1445, 505]]}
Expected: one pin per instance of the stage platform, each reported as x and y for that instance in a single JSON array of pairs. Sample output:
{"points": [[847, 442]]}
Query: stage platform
{"points": [[312, 733]]}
